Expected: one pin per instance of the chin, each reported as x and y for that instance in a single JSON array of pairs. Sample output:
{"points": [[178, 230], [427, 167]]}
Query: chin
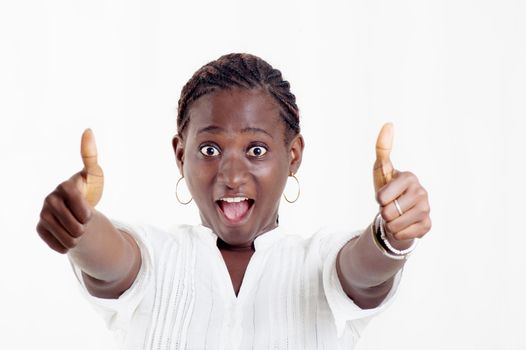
{"points": [[235, 235]]}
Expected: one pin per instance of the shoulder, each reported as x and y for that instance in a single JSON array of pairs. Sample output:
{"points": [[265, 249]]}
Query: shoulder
{"points": [[331, 237], [321, 240], [158, 237]]}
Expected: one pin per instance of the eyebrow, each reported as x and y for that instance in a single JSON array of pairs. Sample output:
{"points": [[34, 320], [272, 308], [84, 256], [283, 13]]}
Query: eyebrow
{"points": [[217, 130]]}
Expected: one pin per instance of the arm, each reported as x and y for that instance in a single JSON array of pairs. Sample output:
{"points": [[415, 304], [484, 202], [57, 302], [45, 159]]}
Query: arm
{"points": [[109, 259], [366, 275]]}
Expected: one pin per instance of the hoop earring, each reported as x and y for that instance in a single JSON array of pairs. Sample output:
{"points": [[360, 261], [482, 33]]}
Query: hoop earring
{"points": [[177, 195], [298, 195]]}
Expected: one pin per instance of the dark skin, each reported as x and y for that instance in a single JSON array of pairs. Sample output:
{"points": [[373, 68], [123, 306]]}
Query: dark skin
{"points": [[237, 124], [233, 146]]}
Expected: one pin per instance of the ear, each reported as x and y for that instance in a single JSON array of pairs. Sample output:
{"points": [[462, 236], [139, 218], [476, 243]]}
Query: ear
{"points": [[178, 146], [296, 153]]}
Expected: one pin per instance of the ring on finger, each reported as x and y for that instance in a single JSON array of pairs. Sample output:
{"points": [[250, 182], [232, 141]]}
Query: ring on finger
{"points": [[398, 208]]}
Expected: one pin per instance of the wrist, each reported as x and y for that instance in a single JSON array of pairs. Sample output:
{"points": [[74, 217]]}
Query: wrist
{"points": [[397, 243], [379, 234]]}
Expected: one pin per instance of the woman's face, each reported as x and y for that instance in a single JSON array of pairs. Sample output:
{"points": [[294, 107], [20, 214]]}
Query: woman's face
{"points": [[235, 162]]}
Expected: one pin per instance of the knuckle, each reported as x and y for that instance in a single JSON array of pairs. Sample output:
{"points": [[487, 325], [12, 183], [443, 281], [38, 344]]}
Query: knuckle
{"points": [[61, 250], [70, 242], [68, 188], [40, 228], [61, 188], [421, 192], [409, 175], [412, 179], [66, 185], [49, 199], [45, 215], [377, 196], [52, 200], [77, 230], [397, 236], [422, 217], [384, 213], [428, 224], [427, 209], [421, 207], [85, 213], [424, 208], [390, 227], [88, 214], [50, 240], [381, 198]]}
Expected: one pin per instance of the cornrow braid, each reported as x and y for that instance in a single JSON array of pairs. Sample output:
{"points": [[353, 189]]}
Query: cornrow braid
{"points": [[239, 70]]}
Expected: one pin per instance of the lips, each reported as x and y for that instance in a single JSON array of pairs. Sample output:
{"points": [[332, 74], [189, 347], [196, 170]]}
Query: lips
{"points": [[235, 209]]}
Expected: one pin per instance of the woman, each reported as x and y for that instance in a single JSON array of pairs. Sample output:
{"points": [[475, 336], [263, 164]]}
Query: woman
{"points": [[236, 281]]}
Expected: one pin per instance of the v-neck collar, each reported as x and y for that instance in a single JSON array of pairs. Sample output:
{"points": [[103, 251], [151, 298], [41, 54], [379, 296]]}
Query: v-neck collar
{"points": [[253, 270], [261, 242]]}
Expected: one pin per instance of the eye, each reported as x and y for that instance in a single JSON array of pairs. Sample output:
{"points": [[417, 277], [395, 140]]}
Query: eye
{"points": [[256, 151], [209, 151]]}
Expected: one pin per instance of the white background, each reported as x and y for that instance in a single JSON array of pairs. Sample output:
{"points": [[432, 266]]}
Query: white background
{"points": [[451, 75]]}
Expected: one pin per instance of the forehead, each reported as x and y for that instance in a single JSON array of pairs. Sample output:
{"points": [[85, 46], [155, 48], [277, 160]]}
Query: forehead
{"points": [[234, 110]]}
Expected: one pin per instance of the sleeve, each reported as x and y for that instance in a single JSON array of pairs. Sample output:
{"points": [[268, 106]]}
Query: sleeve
{"points": [[117, 313], [343, 308]]}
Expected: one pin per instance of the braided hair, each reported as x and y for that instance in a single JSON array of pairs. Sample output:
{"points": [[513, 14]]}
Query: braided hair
{"points": [[239, 70]]}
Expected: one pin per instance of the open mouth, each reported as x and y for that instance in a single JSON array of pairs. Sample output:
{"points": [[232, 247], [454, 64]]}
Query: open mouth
{"points": [[235, 209]]}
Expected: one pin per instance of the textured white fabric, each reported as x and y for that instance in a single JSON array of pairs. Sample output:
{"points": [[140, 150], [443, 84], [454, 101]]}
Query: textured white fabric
{"points": [[183, 297]]}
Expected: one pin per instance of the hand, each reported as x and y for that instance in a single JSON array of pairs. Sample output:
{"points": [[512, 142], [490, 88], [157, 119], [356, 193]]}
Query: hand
{"points": [[68, 209], [391, 184]]}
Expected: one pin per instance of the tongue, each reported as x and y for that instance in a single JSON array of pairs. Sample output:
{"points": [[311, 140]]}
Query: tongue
{"points": [[235, 211]]}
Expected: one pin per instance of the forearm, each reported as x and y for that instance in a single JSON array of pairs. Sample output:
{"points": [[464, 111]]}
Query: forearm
{"points": [[365, 273], [103, 252]]}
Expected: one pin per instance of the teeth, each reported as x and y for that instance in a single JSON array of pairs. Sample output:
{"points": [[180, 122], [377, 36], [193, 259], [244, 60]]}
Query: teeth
{"points": [[234, 199]]}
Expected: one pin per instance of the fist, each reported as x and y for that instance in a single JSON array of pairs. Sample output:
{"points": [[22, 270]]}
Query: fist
{"points": [[403, 201], [68, 209]]}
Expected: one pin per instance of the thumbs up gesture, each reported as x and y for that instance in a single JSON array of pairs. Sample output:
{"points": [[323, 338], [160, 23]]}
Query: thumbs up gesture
{"points": [[92, 176], [68, 209], [403, 201]]}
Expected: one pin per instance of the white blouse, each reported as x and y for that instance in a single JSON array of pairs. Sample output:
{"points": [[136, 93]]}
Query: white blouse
{"points": [[183, 296]]}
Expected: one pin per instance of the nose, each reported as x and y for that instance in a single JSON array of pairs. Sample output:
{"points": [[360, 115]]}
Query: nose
{"points": [[233, 171]]}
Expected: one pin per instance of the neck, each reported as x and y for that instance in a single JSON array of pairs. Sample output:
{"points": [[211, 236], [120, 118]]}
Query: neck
{"points": [[222, 245]]}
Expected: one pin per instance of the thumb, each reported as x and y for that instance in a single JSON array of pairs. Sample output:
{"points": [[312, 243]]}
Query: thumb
{"points": [[93, 177], [383, 168]]}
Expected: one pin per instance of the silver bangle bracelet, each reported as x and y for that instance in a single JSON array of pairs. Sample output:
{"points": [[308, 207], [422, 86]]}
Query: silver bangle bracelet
{"points": [[376, 240], [386, 246]]}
